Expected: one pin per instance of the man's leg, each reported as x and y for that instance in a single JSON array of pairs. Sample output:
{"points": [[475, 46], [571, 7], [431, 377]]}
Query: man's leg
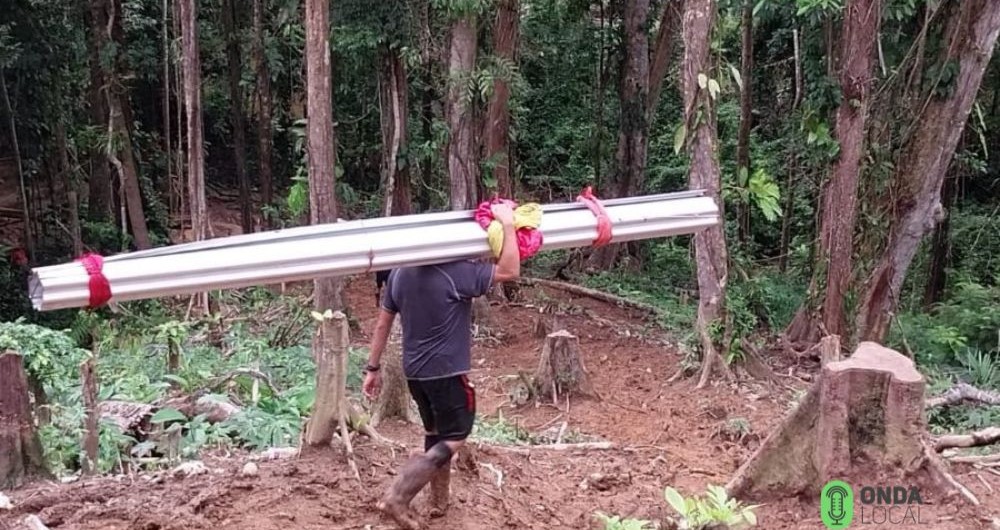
{"points": [[417, 471], [455, 410]]}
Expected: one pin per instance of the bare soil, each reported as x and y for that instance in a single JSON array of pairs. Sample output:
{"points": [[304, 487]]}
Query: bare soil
{"points": [[665, 434]]}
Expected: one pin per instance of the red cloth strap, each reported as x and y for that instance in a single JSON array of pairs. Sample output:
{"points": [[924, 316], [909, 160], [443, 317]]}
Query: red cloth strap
{"points": [[603, 221], [100, 288]]}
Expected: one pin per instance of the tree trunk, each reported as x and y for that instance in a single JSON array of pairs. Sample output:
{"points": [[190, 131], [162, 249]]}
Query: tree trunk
{"points": [[21, 457], [29, 238], [497, 130], [833, 271], [100, 203], [746, 121], [91, 425], [394, 106], [937, 276], [702, 148], [166, 186], [394, 399], [970, 37], [263, 74], [666, 35], [330, 349], [462, 160], [863, 417], [236, 113], [561, 371], [195, 129], [69, 186], [633, 132]]}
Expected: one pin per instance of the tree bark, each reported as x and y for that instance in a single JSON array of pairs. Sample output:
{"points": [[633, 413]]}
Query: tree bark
{"points": [[937, 275], [166, 186], [833, 271], [69, 186], [21, 457], [461, 151], [100, 204], [92, 413], [505, 38], [195, 128], [666, 35], [633, 131], [746, 120], [394, 105], [236, 113], [561, 371], [394, 399], [702, 148], [330, 349], [264, 142], [970, 37], [29, 238]]}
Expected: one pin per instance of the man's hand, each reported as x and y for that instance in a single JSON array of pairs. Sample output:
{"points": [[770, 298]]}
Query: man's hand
{"points": [[503, 213], [372, 385]]}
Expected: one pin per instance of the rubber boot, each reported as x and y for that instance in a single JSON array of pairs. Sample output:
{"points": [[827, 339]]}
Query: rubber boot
{"points": [[440, 492], [412, 478]]}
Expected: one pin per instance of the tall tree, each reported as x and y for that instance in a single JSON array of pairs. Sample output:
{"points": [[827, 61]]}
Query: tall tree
{"points": [[463, 164], [29, 237], [497, 130], [746, 117], [703, 173], [100, 205], [263, 75], [633, 133], [394, 105], [110, 40], [663, 51], [195, 129], [323, 209], [970, 35], [832, 275], [236, 112]]}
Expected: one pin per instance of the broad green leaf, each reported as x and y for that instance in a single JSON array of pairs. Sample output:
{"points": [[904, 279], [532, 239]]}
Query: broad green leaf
{"points": [[714, 88], [680, 136], [675, 500], [736, 76], [168, 414], [176, 379]]}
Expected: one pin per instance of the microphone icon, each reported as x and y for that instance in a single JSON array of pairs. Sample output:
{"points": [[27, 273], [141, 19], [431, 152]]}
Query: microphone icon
{"points": [[836, 511], [836, 503]]}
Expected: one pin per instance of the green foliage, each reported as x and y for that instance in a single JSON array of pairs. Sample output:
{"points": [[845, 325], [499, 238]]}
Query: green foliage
{"points": [[614, 522], [50, 356], [714, 508]]}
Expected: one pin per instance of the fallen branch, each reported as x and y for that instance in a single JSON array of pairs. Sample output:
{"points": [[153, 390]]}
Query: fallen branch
{"points": [[525, 449], [988, 436], [256, 374], [978, 459], [963, 392], [940, 472], [594, 294]]}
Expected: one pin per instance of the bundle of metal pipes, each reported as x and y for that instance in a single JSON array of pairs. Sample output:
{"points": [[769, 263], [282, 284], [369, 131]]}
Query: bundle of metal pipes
{"points": [[352, 247]]}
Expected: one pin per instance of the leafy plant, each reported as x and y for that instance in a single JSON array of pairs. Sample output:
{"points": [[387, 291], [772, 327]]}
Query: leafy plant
{"points": [[614, 522], [713, 508]]}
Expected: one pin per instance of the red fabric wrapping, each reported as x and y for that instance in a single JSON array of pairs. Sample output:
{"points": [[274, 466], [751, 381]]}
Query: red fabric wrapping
{"points": [[604, 229], [529, 240], [100, 288]]}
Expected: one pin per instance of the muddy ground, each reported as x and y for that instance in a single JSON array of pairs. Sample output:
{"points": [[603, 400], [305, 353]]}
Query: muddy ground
{"points": [[665, 434]]}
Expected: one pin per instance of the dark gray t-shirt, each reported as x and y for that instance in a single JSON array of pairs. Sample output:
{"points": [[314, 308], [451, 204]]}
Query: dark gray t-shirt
{"points": [[434, 303]]}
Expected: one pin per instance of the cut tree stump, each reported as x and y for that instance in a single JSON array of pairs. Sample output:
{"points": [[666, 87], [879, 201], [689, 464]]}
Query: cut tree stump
{"points": [[863, 418], [560, 368], [394, 400], [21, 458]]}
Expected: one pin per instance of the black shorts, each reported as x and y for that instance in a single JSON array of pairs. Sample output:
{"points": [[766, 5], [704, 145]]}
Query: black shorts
{"points": [[447, 406]]}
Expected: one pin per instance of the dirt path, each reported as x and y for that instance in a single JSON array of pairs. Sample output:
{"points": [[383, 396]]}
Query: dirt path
{"points": [[668, 434]]}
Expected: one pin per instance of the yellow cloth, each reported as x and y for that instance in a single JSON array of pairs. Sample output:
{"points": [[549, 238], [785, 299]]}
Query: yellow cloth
{"points": [[526, 215]]}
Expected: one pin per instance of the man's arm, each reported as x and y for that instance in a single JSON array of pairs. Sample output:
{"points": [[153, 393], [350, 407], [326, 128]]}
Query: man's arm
{"points": [[509, 265], [380, 336]]}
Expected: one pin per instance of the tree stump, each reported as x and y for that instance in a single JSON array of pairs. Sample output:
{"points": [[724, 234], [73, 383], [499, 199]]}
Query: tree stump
{"points": [[394, 400], [331, 342], [560, 369], [863, 418], [91, 421], [21, 456]]}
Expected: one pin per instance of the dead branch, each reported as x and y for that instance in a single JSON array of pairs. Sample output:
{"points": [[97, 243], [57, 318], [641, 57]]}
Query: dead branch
{"points": [[256, 374], [988, 436], [594, 294], [976, 459], [526, 449], [940, 472], [963, 392]]}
